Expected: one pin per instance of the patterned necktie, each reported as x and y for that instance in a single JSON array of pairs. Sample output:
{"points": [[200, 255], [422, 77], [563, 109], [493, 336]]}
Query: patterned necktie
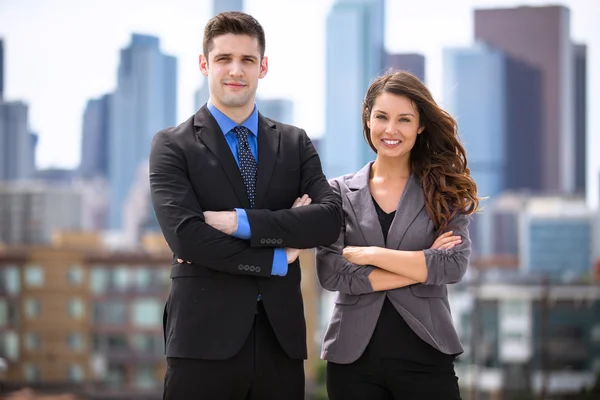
{"points": [[248, 165]]}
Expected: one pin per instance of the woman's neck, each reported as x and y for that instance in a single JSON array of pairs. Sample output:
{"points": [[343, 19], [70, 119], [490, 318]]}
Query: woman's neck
{"points": [[386, 168]]}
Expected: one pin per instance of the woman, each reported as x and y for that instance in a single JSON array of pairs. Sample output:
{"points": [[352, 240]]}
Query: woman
{"points": [[404, 239]]}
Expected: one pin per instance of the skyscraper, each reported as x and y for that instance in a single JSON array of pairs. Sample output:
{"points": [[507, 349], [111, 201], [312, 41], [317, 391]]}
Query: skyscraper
{"points": [[281, 110], [474, 93], [355, 56], [1, 69], [540, 38], [144, 102], [580, 79], [413, 63], [220, 6], [95, 138], [16, 145]]}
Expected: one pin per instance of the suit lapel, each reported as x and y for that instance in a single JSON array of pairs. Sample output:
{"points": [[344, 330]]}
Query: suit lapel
{"points": [[364, 209], [210, 134], [268, 147], [411, 204]]}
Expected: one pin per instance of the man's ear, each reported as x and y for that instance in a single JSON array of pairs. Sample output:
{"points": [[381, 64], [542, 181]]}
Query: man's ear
{"points": [[203, 62]]}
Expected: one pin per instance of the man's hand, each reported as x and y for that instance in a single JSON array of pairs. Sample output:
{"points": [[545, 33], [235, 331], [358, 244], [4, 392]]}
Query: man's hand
{"points": [[225, 221], [293, 254], [446, 241]]}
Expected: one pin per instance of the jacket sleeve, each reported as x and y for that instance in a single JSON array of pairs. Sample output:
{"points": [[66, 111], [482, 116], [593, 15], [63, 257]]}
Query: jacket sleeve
{"points": [[303, 227], [449, 266], [334, 272], [182, 220]]}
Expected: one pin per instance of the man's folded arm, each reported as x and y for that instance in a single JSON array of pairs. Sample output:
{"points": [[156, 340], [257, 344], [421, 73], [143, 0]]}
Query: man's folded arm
{"points": [[182, 220], [317, 224]]}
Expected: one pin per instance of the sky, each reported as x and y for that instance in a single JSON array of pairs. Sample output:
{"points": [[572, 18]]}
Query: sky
{"points": [[60, 53]]}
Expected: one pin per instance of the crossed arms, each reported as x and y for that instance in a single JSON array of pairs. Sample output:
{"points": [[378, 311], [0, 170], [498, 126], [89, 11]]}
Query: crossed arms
{"points": [[359, 270], [191, 238]]}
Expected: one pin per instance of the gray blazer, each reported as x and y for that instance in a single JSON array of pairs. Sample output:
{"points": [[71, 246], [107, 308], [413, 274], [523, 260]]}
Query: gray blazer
{"points": [[357, 307]]}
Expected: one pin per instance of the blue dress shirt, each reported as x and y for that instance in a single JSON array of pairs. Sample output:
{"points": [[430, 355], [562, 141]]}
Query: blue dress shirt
{"points": [[280, 266]]}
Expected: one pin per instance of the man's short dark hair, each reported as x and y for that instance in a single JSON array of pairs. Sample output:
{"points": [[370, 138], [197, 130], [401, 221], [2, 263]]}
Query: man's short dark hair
{"points": [[235, 22]]}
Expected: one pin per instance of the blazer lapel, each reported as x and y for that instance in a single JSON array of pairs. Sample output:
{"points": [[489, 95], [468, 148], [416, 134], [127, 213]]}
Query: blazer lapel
{"points": [[412, 202], [210, 134], [364, 209], [268, 148]]}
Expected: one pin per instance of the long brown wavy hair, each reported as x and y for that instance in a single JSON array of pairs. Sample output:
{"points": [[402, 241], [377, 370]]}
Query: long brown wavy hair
{"points": [[437, 159]]}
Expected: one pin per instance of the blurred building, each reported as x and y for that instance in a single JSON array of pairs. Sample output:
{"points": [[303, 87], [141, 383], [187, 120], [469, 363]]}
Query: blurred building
{"points": [[475, 94], [580, 53], [544, 236], [281, 110], [526, 339], [78, 316], [354, 57], [1, 69], [16, 146], [55, 176], [144, 102], [540, 38], [95, 138], [32, 212], [413, 63]]}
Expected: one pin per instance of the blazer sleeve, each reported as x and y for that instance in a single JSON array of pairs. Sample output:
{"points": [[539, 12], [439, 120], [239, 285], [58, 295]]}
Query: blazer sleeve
{"points": [[182, 220], [334, 272], [304, 227], [449, 266]]}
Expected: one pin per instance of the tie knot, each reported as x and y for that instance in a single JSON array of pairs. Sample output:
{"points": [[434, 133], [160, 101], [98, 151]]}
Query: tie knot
{"points": [[241, 132]]}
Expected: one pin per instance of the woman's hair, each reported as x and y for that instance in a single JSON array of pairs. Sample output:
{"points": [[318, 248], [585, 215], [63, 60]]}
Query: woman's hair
{"points": [[437, 159]]}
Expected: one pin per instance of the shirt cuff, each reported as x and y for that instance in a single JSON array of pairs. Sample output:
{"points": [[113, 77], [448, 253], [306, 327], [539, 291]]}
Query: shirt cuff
{"points": [[280, 265], [243, 228]]}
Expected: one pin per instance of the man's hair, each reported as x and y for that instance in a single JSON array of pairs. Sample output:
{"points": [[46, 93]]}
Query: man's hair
{"points": [[235, 22]]}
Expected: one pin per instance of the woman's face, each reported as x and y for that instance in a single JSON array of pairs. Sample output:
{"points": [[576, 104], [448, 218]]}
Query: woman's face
{"points": [[394, 125]]}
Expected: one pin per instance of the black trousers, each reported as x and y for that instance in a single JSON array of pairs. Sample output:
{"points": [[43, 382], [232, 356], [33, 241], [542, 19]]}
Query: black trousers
{"points": [[376, 378], [261, 370]]}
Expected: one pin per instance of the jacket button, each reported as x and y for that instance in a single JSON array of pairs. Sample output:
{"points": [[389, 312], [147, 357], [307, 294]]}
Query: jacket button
{"points": [[279, 241], [246, 267], [262, 241], [240, 267], [257, 269], [252, 268]]}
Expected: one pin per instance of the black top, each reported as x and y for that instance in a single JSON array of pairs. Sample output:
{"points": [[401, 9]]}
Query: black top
{"points": [[393, 338]]}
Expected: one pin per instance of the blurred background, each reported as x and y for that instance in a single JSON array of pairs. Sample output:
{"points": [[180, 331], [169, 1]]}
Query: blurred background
{"points": [[84, 270]]}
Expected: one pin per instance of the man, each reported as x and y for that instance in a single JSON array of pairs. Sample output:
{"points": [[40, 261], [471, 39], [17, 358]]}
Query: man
{"points": [[222, 186]]}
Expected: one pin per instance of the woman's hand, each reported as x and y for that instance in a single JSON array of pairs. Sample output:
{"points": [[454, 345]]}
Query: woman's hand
{"points": [[446, 241], [359, 255]]}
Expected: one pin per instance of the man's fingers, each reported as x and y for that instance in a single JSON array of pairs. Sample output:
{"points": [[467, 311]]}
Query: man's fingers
{"points": [[302, 201], [180, 261]]}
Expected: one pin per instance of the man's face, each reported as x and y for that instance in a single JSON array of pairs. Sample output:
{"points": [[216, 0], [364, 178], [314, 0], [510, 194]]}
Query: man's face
{"points": [[233, 68]]}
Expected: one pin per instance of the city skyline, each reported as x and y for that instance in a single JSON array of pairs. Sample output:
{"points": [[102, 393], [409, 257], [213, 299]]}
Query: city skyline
{"points": [[294, 59]]}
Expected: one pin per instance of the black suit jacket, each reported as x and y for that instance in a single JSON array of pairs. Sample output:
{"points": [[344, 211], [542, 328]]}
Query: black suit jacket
{"points": [[212, 302]]}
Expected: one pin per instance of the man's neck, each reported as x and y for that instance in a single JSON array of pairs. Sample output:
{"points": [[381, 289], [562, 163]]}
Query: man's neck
{"points": [[236, 114]]}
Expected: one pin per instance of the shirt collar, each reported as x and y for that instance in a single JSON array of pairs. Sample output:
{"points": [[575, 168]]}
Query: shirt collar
{"points": [[226, 124]]}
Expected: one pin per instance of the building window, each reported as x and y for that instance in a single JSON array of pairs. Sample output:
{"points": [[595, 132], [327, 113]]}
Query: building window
{"points": [[34, 276], [147, 343], [143, 278], [9, 345], [33, 308], [75, 341], [75, 308], [32, 341], [31, 372], [9, 280], [98, 280], [3, 313], [147, 312], [75, 373], [144, 377], [115, 375], [75, 275], [113, 312], [595, 333]]}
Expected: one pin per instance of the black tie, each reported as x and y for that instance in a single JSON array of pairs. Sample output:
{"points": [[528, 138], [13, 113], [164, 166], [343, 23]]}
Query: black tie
{"points": [[248, 165]]}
